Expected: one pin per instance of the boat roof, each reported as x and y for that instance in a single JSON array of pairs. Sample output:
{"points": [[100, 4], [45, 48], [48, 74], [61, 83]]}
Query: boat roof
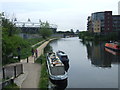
{"points": [[57, 70], [54, 60], [62, 53]]}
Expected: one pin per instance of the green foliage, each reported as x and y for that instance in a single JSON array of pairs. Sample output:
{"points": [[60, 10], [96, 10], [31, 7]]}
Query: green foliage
{"points": [[11, 87], [44, 77], [10, 42], [8, 28], [33, 41], [10, 45], [47, 49], [45, 30], [85, 35], [44, 80], [43, 83], [41, 59]]}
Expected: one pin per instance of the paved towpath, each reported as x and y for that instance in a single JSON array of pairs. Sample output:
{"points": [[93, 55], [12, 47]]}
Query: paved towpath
{"points": [[31, 76]]}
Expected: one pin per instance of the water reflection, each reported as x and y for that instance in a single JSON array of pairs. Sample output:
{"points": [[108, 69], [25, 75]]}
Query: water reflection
{"points": [[59, 85], [83, 74], [99, 55]]}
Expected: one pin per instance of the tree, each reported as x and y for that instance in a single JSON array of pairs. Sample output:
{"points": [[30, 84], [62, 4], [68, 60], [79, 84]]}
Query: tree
{"points": [[8, 28], [10, 41], [45, 30], [71, 30]]}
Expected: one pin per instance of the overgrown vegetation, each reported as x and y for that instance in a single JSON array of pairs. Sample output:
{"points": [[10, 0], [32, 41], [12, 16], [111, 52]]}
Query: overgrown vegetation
{"points": [[86, 35], [44, 78], [11, 41], [45, 30], [33, 41], [11, 87]]}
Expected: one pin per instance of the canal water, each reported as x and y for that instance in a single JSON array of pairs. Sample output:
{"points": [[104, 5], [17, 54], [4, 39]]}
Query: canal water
{"points": [[91, 65]]}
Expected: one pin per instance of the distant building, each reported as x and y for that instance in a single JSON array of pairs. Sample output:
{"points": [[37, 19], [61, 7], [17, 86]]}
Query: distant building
{"points": [[32, 27], [89, 24], [77, 31], [116, 23], [103, 22]]}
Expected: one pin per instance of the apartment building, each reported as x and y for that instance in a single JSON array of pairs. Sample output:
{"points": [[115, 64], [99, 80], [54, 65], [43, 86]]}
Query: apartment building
{"points": [[116, 23], [103, 22]]}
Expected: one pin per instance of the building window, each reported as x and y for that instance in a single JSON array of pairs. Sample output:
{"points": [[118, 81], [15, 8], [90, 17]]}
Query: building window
{"points": [[108, 13]]}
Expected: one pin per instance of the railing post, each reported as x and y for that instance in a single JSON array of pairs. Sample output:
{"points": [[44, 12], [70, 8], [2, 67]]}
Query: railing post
{"points": [[21, 68], [34, 59], [15, 72], [3, 69], [12, 81], [27, 59]]}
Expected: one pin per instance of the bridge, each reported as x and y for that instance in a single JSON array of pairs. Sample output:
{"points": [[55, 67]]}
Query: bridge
{"points": [[32, 27]]}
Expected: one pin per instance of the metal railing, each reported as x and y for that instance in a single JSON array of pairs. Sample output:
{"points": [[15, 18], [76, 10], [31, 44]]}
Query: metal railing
{"points": [[9, 73], [12, 71]]}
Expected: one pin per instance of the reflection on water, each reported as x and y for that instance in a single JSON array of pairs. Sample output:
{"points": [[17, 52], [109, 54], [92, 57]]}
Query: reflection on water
{"points": [[112, 52], [100, 56], [90, 65]]}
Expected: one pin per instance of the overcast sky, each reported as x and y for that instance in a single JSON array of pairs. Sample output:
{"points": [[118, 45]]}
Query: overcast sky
{"points": [[67, 14]]}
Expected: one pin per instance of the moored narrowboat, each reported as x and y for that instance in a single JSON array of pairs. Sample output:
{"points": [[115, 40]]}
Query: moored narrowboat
{"points": [[55, 67], [115, 46], [64, 58]]}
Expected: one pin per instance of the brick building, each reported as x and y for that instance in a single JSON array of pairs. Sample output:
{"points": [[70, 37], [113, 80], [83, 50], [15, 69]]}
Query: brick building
{"points": [[103, 22]]}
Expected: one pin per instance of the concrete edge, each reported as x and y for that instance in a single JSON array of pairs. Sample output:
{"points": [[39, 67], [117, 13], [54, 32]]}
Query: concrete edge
{"points": [[20, 79]]}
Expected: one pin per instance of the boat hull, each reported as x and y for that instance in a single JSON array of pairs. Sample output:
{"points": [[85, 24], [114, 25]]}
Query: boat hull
{"points": [[113, 47], [56, 72], [116, 50], [112, 52]]}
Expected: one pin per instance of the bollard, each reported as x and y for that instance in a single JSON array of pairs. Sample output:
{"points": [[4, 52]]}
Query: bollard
{"points": [[27, 59], [15, 72], [34, 59], [3, 72], [40, 60], [12, 81], [21, 68]]}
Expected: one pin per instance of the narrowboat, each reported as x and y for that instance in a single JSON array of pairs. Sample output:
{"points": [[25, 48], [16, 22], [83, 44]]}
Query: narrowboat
{"points": [[115, 46], [112, 52], [55, 67], [64, 58]]}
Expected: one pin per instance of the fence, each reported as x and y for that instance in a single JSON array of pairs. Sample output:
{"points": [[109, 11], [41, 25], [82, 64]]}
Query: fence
{"points": [[11, 72]]}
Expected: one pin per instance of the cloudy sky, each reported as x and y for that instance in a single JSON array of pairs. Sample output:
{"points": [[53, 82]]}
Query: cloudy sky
{"points": [[67, 14]]}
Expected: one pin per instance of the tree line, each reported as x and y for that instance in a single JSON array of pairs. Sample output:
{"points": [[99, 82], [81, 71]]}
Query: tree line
{"points": [[11, 40]]}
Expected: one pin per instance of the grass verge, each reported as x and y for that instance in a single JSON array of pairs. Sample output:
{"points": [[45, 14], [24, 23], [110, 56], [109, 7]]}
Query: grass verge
{"points": [[11, 87], [43, 83], [44, 77]]}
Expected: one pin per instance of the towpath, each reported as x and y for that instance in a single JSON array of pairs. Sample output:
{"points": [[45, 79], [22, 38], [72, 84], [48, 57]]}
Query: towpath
{"points": [[31, 76]]}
